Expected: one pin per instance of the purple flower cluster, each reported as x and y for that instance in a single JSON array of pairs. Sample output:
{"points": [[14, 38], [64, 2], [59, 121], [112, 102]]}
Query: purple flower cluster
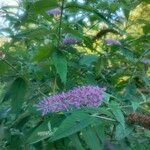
{"points": [[70, 40], [112, 42], [145, 61], [55, 11], [84, 96], [2, 55]]}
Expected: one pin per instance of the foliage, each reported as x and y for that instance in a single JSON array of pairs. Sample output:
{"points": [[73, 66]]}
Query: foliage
{"points": [[35, 63]]}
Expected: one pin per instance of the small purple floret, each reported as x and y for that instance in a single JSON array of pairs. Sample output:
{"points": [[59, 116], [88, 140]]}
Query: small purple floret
{"points": [[55, 11], [70, 40], [79, 97], [145, 61], [112, 42]]}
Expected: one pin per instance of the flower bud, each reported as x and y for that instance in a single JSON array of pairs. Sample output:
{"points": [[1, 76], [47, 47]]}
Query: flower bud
{"points": [[55, 11]]}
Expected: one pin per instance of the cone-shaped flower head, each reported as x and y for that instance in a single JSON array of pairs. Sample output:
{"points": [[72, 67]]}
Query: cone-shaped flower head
{"points": [[79, 97]]}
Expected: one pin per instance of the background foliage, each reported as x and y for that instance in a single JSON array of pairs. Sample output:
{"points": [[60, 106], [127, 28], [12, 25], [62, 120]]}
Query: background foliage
{"points": [[35, 63]]}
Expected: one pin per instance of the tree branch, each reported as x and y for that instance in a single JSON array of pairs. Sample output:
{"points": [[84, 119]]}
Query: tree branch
{"points": [[60, 23]]}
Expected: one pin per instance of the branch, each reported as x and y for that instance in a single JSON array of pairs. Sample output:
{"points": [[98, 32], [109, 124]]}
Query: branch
{"points": [[60, 23], [6, 62], [103, 33], [104, 118]]}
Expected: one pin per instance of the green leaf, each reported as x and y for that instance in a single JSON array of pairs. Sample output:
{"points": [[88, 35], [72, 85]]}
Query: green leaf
{"points": [[135, 105], [76, 142], [146, 29], [2, 132], [3, 67], [60, 64], [46, 128], [17, 93], [88, 59], [43, 5], [91, 139], [128, 54], [87, 41], [72, 124], [15, 143], [100, 65], [69, 30], [116, 110], [146, 79], [43, 53], [146, 1], [107, 97], [100, 131], [32, 34], [39, 134], [87, 8], [122, 132]]}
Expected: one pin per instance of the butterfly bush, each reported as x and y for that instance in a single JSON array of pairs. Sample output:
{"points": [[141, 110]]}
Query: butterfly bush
{"points": [[145, 61], [79, 97], [70, 40], [55, 11], [112, 42]]}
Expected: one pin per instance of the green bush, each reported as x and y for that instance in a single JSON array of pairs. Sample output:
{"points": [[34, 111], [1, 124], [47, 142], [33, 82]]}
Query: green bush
{"points": [[54, 46]]}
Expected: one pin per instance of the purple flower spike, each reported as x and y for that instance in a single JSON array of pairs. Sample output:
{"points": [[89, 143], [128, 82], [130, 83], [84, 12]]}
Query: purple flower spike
{"points": [[112, 42], [79, 97], [70, 40], [55, 11]]}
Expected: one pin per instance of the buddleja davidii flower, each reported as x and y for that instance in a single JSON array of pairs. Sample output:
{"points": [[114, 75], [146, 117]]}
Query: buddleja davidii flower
{"points": [[70, 40], [55, 11], [85, 96], [145, 61], [52, 104], [112, 42]]}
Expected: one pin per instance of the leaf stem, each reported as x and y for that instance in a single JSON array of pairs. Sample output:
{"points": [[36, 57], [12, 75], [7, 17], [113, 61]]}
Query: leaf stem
{"points": [[6, 62], [60, 23], [104, 118]]}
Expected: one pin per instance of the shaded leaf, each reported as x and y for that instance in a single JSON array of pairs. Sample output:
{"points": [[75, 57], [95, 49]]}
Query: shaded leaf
{"points": [[91, 139], [39, 134], [88, 59], [43, 5], [17, 93], [76, 142], [135, 105], [116, 110], [100, 131], [3, 67], [72, 124], [60, 64], [122, 132], [43, 53]]}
